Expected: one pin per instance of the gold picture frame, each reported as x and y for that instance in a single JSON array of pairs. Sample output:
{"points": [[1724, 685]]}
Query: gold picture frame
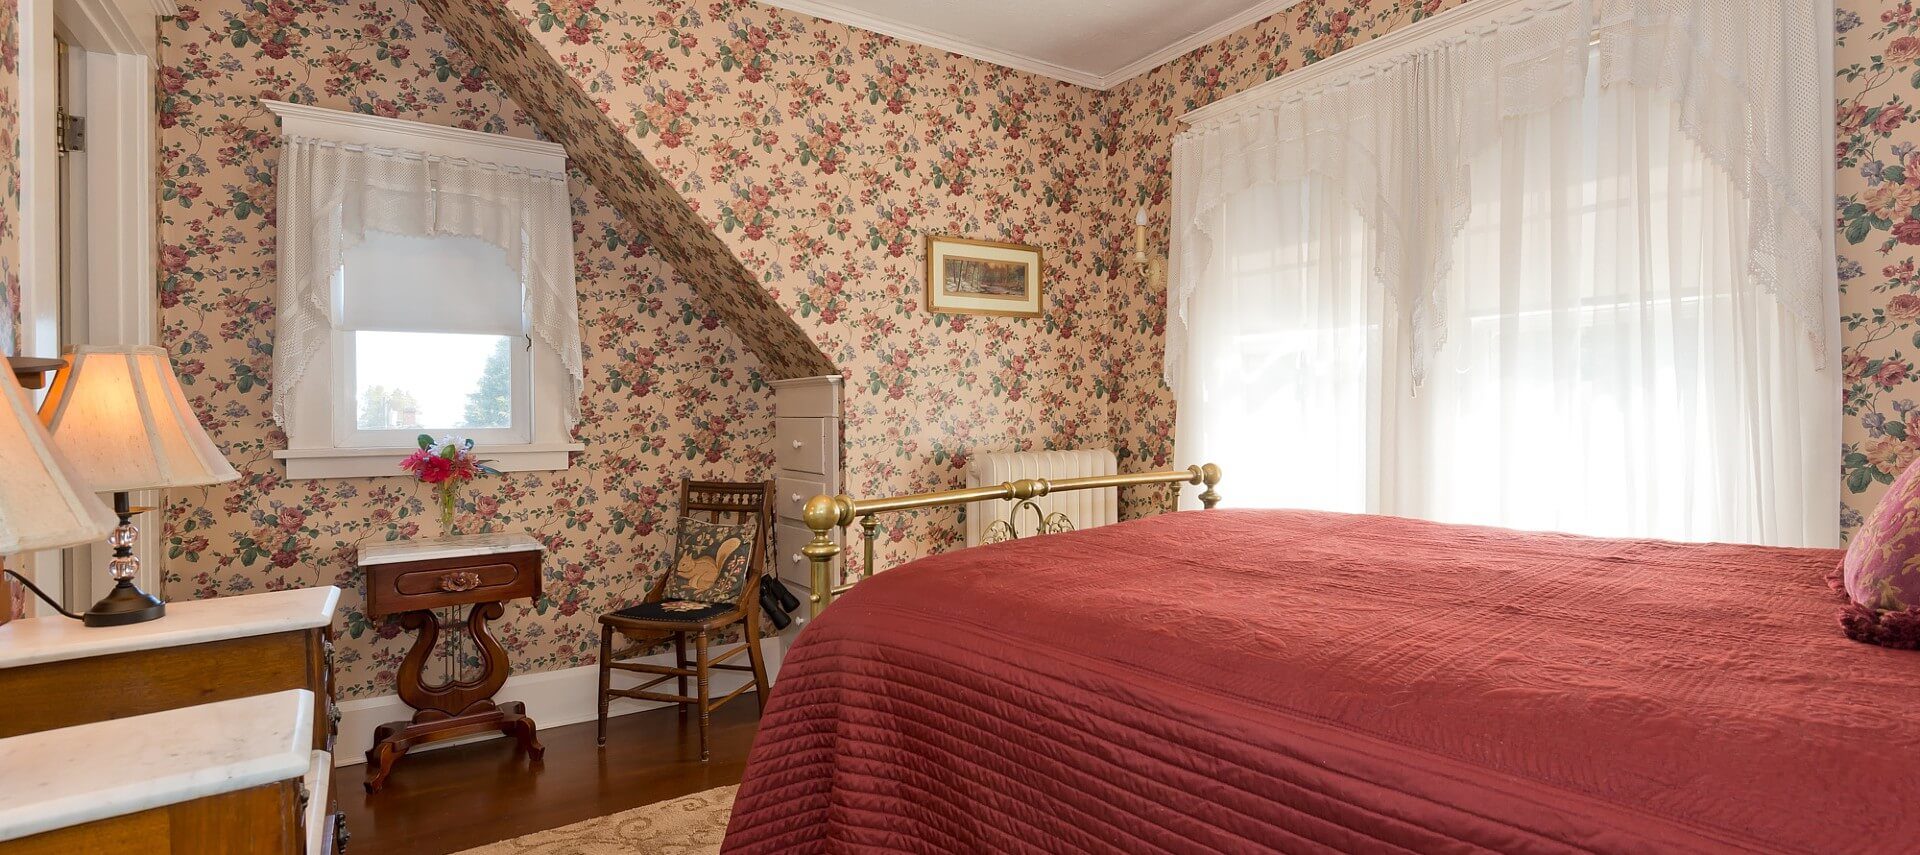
{"points": [[984, 277]]}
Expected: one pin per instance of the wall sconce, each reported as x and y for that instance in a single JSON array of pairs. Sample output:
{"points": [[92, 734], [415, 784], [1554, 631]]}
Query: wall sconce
{"points": [[1155, 269]]}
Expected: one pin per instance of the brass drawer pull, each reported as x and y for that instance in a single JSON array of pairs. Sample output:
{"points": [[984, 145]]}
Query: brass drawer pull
{"points": [[456, 582]]}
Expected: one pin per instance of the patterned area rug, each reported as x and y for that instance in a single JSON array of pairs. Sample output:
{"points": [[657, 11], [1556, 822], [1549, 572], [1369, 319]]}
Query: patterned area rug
{"points": [[689, 825]]}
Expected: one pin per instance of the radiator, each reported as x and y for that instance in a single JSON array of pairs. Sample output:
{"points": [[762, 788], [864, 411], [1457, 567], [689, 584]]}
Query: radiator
{"points": [[1086, 508]]}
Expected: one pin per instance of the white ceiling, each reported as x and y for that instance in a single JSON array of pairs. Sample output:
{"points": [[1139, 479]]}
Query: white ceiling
{"points": [[1095, 43]]}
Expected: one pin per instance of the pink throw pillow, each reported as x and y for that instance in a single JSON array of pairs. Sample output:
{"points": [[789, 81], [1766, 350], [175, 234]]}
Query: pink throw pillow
{"points": [[1881, 572]]}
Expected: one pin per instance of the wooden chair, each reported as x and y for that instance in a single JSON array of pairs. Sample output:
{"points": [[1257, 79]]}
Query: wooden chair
{"points": [[646, 624]]}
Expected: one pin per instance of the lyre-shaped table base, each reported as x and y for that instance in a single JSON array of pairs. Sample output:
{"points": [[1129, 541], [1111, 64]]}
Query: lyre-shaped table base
{"points": [[450, 710]]}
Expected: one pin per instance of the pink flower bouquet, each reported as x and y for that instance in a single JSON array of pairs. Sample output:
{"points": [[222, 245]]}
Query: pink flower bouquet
{"points": [[446, 465]]}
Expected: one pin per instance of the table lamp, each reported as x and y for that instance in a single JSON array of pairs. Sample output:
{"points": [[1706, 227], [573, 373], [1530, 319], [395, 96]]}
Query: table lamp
{"points": [[43, 503], [118, 414]]}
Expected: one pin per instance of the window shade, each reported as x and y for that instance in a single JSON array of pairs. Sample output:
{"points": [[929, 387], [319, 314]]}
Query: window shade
{"points": [[445, 283]]}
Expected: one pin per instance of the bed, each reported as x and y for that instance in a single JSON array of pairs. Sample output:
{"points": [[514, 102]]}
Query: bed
{"points": [[1227, 681]]}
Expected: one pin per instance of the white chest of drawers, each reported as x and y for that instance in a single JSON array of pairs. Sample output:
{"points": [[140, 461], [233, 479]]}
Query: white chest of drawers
{"points": [[807, 437]]}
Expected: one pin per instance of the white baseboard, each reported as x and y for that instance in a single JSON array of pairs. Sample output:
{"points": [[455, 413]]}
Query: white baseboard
{"points": [[553, 698]]}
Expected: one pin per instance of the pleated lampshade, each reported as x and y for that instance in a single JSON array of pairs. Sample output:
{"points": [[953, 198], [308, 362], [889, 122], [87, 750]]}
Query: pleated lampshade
{"points": [[119, 414], [44, 503]]}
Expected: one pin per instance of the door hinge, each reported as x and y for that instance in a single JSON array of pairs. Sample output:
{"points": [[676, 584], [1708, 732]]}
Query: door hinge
{"points": [[72, 133]]}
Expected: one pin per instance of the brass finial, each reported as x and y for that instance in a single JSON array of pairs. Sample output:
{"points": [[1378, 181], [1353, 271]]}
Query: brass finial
{"points": [[1210, 476]]}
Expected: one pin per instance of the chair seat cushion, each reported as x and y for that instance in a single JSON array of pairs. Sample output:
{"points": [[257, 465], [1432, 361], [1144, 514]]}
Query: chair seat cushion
{"points": [[676, 611]]}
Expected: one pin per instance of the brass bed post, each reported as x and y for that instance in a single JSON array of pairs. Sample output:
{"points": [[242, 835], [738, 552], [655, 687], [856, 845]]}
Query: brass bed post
{"points": [[869, 528], [823, 514]]}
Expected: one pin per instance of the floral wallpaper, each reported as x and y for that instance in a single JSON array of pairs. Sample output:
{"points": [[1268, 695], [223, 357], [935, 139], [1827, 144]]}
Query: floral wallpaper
{"points": [[633, 185], [671, 391], [813, 158], [1877, 209], [821, 156]]}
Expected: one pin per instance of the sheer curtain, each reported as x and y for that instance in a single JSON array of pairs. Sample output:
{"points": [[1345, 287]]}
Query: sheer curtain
{"points": [[332, 194], [1600, 354], [1289, 352], [1609, 368]]}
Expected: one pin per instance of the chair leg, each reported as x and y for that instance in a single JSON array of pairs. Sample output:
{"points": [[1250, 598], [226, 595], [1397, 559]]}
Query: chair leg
{"points": [[700, 648], [606, 677], [759, 665], [680, 661]]}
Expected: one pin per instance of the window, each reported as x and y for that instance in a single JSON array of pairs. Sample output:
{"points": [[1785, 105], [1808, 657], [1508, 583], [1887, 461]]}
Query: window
{"points": [[426, 287], [1491, 270]]}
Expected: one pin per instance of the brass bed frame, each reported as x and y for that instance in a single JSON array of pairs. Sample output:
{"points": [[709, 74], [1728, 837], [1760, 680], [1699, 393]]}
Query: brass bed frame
{"points": [[825, 513]]}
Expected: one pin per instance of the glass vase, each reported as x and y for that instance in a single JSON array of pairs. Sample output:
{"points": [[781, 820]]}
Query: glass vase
{"points": [[446, 493]]}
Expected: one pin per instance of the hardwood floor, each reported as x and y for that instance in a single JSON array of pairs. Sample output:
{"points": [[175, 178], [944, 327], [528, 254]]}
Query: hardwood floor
{"points": [[469, 795]]}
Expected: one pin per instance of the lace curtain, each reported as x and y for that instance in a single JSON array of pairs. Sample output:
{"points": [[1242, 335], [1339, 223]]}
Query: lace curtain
{"points": [[331, 195], [1394, 131], [1570, 310]]}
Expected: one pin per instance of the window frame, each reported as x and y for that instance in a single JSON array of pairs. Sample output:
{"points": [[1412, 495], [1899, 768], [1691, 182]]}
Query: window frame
{"points": [[319, 441]]}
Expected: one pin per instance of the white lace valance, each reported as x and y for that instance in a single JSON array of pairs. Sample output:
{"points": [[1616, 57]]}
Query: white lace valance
{"points": [[1750, 79], [1391, 126], [332, 194]]}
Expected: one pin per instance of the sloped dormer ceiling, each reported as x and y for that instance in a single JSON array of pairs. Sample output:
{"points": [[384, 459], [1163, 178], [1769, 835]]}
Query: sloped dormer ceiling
{"points": [[536, 82]]}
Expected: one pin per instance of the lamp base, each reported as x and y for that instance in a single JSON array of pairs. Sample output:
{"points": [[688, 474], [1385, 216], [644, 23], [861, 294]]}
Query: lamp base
{"points": [[125, 604]]}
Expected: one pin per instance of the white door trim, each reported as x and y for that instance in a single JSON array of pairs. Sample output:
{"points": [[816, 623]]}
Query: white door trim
{"points": [[119, 38], [39, 227]]}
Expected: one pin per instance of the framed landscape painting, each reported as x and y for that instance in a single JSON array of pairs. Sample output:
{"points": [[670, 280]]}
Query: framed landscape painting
{"points": [[983, 277]]}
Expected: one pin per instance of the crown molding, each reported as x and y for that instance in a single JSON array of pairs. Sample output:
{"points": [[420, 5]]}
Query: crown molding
{"points": [[831, 11], [340, 126], [1458, 22], [1254, 14]]}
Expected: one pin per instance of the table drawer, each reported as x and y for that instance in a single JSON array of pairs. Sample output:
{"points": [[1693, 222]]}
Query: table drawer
{"points": [[791, 500], [415, 585], [804, 445]]}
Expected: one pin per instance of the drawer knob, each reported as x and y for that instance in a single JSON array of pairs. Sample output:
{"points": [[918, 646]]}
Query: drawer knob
{"points": [[797, 558], [456, 582], [799, 444], [795, 497]]}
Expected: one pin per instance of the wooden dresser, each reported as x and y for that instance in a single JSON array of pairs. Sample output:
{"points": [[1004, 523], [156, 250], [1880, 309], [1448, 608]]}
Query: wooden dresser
{"points": [[56, 673], [168, 782]]}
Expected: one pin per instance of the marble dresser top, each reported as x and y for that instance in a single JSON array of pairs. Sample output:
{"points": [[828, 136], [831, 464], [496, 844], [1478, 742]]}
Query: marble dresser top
{"points": [[73, 775], [450, 546], [55, 638]]}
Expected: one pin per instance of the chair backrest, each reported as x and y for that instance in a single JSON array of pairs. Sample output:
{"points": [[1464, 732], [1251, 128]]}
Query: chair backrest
{"points": [[729, 503]]}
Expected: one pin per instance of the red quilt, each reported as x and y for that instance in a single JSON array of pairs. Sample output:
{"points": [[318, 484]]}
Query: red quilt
{"points": [[1246, 681]]}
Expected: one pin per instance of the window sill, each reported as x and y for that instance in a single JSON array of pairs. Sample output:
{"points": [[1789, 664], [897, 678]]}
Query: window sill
{"points": [[305, 463]]}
